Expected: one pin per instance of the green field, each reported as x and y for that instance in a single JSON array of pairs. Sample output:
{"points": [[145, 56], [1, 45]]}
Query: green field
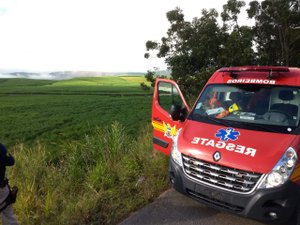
{"points": [[89, 85], [58, 110], [83, 149]]}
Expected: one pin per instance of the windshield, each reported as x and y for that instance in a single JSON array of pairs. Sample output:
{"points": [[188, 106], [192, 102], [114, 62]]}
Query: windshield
{"points": [[259, 107]]}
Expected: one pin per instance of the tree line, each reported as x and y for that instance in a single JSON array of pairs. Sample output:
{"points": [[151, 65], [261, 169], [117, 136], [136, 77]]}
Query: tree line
{"points": [[193, 50]]}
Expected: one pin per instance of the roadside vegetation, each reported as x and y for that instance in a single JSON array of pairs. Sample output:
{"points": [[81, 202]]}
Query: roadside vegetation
{"points": [[194, 49], [98, 180], [81, 158]]}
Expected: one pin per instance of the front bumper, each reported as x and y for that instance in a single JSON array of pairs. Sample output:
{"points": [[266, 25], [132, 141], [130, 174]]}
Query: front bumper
{"points": [[260, 204]]}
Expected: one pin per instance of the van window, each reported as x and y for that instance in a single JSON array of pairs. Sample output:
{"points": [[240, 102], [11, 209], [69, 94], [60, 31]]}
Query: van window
{"points": [[275, 108], [168, 95]]}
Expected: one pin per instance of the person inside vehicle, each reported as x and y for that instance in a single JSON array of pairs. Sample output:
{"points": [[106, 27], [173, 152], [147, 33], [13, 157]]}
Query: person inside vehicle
{"points": [[259, 102]]}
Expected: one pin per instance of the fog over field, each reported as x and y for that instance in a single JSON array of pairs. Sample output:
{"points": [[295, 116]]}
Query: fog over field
{"points": [[58, 75]]}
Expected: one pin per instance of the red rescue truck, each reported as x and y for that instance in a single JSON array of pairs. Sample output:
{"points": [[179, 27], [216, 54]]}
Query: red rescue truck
{"points": [[237, 148]]}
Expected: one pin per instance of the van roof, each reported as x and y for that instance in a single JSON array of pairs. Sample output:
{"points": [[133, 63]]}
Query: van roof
{"points": [[271, 75]]}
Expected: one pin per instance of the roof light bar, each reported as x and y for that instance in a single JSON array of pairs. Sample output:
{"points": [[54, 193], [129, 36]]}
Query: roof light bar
{"points": [[269, 69]]}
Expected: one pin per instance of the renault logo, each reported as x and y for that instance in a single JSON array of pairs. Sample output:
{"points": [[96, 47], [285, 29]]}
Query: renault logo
{"points": [[217, 156]]}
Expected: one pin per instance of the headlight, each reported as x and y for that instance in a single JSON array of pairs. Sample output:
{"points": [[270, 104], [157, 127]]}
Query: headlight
{"points": [[175, 154], [282, 170]]}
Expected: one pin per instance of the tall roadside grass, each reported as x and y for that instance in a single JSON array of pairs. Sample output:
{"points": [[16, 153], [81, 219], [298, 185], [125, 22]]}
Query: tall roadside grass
{"points": [[96, 181]]}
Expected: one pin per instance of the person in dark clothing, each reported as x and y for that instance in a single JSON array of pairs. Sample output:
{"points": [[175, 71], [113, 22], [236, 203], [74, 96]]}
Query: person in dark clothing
{"points": [[8, 217], [5, 160]]}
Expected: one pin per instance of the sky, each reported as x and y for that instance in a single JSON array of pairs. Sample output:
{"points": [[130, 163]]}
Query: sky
{"points": [[87, 35]]}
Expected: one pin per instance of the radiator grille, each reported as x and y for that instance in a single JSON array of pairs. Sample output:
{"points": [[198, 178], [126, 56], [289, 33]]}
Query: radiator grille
{"points": [[220, 176]]}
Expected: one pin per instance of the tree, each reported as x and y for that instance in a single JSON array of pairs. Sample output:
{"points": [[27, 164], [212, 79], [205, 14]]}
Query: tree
{"points": [[144, 86], [238, 41], [190, 49], [277, 24], [193, 50], [238, 48], [151, 77], [231, 10]]}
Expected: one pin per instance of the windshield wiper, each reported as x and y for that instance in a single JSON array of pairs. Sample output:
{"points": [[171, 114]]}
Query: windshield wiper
{"points": [[215, 120], [232, 123], [240, 124], [263, 127]]}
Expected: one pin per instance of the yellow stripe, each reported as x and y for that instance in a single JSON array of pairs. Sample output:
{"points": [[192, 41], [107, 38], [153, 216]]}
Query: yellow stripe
{"points": [[167, 129], [158, 126], [159, 123]]}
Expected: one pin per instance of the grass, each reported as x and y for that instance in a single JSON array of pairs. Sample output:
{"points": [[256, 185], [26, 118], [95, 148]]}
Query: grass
{"points": [[60, 118], [87, 85], [83, 149], [99, 180]]}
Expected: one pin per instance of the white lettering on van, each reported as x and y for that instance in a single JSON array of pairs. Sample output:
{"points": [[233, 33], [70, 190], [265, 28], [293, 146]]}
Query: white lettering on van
{"points": [[230, 146], [251, 81], [203, 140], [250, 151], [210, 143], [196, 140], [241, 149], [220, 144]]}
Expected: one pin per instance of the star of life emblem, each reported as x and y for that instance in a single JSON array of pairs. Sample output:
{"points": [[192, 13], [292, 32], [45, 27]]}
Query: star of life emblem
{"points": [[217, 156], [226, 134]]}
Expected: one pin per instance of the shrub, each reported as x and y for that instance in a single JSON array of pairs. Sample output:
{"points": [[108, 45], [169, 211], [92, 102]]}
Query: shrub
{"points": [[96, 181], [144, 86]]}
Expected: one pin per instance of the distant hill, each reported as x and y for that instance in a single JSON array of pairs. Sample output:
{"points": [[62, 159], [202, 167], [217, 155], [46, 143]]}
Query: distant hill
{"points": [[63, 75]]}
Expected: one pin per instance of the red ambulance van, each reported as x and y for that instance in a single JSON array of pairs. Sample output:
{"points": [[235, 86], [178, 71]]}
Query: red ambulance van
{"points": [[237, 148]]}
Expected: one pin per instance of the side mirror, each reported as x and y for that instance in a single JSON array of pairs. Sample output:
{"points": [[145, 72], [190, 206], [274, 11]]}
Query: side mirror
{"points": [[178, 113]]}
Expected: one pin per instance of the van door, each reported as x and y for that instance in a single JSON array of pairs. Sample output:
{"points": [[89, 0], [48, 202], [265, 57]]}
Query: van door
{"points": [[169, 111]]}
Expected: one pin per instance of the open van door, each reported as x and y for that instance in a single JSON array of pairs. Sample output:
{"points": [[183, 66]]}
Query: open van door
{"points": [[169, 111]]}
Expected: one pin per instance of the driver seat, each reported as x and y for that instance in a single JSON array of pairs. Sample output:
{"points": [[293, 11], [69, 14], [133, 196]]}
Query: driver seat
{"points": [[286, 107]]}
